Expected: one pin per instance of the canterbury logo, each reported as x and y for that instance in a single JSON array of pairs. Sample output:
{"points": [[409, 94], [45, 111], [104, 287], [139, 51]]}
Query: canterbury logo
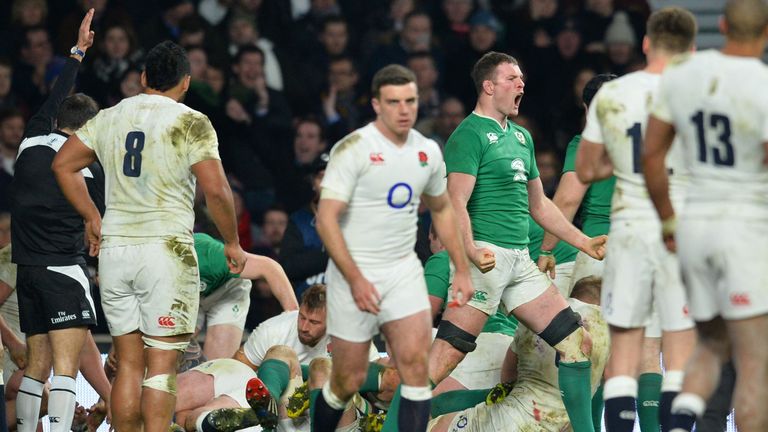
{"points": [[740, 300], [166, 321]]}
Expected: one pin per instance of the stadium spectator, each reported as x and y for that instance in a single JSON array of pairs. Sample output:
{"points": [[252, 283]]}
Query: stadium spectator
{"points": [[416, 36], [427, 78], [166, 24], [243, 32], [344, 105], [37, 66]]}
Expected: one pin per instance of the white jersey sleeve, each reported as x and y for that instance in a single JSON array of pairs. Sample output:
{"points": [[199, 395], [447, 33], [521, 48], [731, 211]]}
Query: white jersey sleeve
{"points": [[344, 167], [437, 181], [660, 107], [592, 131], [257, 344]]}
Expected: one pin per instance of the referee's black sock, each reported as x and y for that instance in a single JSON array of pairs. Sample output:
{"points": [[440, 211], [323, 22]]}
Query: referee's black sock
{"points": [[414, 408], [328, 411]]}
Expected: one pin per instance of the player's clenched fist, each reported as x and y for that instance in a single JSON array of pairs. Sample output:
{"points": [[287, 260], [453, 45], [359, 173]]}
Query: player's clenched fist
{"points": [[483, 258]]}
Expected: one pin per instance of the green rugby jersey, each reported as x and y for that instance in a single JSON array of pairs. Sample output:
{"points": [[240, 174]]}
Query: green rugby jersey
{"points": [[595, 208], [437, 273], [214, 271], [502, 161]]}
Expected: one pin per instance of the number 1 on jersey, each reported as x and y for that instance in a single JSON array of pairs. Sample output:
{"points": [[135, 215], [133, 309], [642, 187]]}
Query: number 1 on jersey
{"points": [[637, 147], [134, 144]]}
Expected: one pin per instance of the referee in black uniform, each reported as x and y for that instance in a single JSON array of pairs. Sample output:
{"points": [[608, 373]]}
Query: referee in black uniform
{"points": [[54, 291]]}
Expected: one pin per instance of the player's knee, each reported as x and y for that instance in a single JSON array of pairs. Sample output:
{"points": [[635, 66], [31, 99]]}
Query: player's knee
{"points": [[566, 334], [456, 337], [319, 371], [285, 354], [180, 346], [162, 382]]}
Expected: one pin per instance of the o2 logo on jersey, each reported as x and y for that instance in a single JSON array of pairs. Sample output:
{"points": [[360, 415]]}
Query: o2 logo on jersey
{"points": [[399, 195], [518, 166]]}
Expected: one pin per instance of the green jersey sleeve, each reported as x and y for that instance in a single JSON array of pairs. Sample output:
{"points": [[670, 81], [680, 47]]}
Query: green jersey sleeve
{"points": [[437, 273], [214, 271], [463, 152], [570, 154], [534, 172]]}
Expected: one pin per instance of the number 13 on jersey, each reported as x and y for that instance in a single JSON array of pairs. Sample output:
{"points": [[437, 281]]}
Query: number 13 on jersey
{"points": [[134, 144]]}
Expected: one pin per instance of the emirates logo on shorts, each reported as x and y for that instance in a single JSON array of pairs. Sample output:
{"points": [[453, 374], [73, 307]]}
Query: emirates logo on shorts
{"points": [[166, 321]]}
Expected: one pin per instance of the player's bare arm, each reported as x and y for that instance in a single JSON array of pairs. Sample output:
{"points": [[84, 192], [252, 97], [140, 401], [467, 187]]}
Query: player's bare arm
{"points": [[658, 139], [71, 158], [329, 211], [242, 358], [444, 219], [546, 214], [257, 266], [460, 188], [509, 367], [592, 162], [570, 192], [218, 199]]}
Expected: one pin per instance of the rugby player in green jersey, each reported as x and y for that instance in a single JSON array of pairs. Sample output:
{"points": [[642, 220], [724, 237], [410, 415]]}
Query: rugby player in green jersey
{"points": [[494, 186]]}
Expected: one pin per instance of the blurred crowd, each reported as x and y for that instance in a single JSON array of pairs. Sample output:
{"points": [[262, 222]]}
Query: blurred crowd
{"points": [[283, 80]]}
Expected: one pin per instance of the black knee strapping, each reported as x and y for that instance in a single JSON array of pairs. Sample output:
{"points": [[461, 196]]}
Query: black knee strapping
{"points": [[562, 325], [455, 336]]}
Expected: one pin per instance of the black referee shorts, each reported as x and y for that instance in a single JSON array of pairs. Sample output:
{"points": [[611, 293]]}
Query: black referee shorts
{"points": [[54, 298]]}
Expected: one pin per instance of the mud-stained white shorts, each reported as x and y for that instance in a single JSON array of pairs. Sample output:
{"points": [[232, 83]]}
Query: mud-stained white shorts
{"points": [[724, 267], [514, 281], [403, 293], [563, 278], [507, 416], [151, 287], [639, 274], [229, 378], [227, 305], [481, 368]]}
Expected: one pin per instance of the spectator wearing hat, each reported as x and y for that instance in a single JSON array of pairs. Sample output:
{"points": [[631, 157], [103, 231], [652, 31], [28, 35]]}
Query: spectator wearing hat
{"points": [[166, 25], [533, 26], [302, 254], [484, 29], [621, 45], [598, 15]]}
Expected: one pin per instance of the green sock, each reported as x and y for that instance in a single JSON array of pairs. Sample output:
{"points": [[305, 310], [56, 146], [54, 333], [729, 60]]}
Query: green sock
{"points": [[313, 394], [597, 408], [457, 400], [304, 372], [575, 387], [648, 396], [390, 424], [275, 374], [371, 383]]}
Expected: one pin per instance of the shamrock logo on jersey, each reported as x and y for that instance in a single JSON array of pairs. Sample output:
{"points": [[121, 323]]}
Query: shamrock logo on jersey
{"points": [[423, 159], [492, 137], [520, 137], [518, 166]]}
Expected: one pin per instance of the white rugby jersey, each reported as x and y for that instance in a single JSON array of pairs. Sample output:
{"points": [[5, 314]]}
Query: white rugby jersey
{"points": [[617, 118], [382, 184], [147, 144], [283, 330], [536, 389], [719, 107]]}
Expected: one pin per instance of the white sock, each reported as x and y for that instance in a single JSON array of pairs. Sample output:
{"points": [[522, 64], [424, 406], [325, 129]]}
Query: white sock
{"points": [[200, 420], [620, 386], [28, 404], [690, 402], [415, 393], [331, 399], [61, 403], [672, 381]]}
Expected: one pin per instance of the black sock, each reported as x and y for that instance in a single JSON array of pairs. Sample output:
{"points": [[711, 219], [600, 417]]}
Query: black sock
{"points": [[413, 415], [719, 404], [3, 421], [683, 419], [665, 409], [326, 417], [620, 414]]}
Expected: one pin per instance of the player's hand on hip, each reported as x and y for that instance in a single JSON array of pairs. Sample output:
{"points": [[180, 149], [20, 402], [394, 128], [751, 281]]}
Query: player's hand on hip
{"points": [[483, 258], [463, 290], [235, 257], [93, 236], [595, 247], [367, 297], [547, 264], [85, 34]]}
